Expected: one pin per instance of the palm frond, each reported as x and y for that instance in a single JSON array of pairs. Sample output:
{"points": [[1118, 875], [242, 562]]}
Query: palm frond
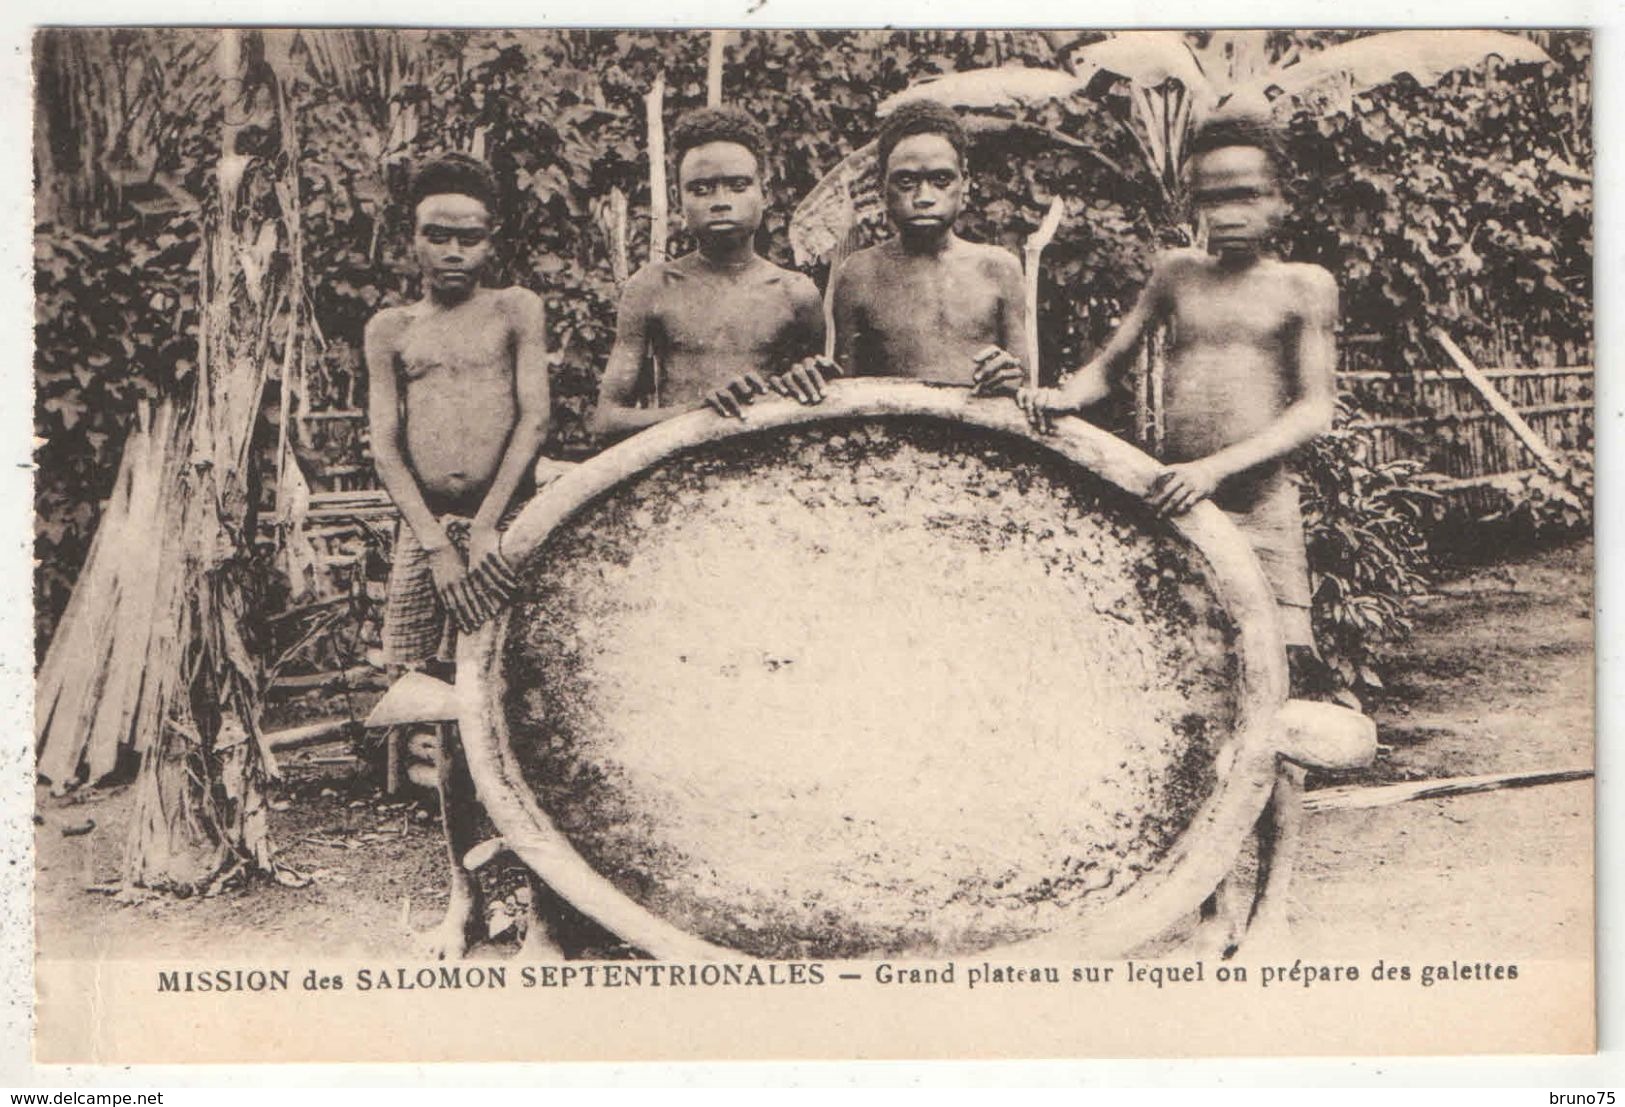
{"points": [[822, 220], [371, 66]]}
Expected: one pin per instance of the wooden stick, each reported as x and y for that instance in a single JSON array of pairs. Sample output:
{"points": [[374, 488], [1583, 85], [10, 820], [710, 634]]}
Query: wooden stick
{"points": [[653, 114], [1155, 381], [843, 250], [394, 767], [1453, 483], [307, 609], [1435, 376], [620, 262], [355, 497], [1032, 255], [73, 666], [1526, 434], [311, 734], [713, 69], [1385, 795], [1473, 416], [357, 676]]}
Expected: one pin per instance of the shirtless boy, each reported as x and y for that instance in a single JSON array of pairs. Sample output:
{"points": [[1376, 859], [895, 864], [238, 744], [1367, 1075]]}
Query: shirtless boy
{"points": [[1250, 364], [1249, 379], [457, 410], [926, 304], [715, 325]]}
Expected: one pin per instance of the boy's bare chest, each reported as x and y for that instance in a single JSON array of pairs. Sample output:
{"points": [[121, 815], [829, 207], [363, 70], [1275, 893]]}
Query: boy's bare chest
{"points": [[1258, 311], [470, 346], [941, 299], [699, 318]]}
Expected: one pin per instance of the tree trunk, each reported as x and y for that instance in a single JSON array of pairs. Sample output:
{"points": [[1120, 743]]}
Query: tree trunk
{"points": [[201, 816]]}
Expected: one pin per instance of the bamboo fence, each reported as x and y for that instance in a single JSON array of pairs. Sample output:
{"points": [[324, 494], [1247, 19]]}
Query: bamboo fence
{"points": [[1437, 418]]}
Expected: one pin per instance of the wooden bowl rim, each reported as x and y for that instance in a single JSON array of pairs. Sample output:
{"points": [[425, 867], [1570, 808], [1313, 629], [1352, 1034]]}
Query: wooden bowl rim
{"points": [[1187, 874]]}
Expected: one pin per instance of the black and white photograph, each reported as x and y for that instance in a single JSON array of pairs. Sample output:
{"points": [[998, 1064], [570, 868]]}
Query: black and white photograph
{"points": [[897, 543]]}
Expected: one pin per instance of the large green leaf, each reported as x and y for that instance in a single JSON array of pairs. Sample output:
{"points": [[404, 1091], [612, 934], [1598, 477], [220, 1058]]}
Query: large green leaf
{"points": [[1365, 63], [1147, 58], [980, 89]]}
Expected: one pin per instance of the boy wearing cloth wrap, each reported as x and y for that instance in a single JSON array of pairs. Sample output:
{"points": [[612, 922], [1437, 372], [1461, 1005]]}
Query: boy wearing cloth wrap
{"points": [[1249, 379], [719, 325], [458, 409], [1250, 361]]}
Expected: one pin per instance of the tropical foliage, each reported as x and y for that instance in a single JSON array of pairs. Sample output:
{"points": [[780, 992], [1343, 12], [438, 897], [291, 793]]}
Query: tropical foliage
{"points": [[1365, 525], [1485, 227]]}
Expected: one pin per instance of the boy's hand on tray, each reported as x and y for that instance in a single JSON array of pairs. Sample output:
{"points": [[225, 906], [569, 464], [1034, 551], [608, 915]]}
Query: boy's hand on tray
{"points": [[1039, 406], [729, 400], [998, 372], [805, 381], [495, 576], [450, 574], [482, 544], [1178, 488], [486, 565]]}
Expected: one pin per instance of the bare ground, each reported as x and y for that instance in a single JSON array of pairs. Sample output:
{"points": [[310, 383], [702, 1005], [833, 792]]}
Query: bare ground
{"points": [[1498, 677]]}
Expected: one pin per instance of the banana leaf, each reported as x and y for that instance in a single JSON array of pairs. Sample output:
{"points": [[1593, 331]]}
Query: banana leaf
{"points": [[1374, 60], [981, 89]]}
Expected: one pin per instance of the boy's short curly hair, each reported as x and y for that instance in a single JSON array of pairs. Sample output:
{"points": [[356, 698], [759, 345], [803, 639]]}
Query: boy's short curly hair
{"points": [[456, 174], [1239, 127], [921, 117], [703, 125]]}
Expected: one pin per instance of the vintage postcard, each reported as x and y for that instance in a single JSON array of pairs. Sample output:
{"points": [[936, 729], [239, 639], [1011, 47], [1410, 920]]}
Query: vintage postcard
{"points": [[572, 544]]}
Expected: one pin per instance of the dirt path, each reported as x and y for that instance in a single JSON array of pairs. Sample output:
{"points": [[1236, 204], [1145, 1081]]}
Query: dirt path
{"points": [[1505, 875], [1498, 677], [1499, 674], [372, 865]]}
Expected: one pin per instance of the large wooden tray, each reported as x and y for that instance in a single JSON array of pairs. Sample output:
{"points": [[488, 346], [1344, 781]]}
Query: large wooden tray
{"points": [[889, 676]]}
